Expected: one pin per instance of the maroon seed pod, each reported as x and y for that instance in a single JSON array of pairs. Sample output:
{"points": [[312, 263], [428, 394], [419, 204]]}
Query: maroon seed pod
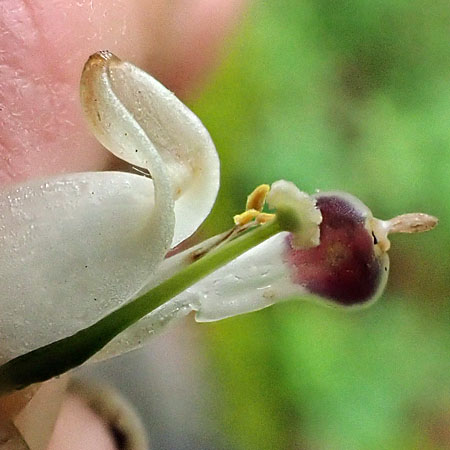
{"points": [[347, 267]]}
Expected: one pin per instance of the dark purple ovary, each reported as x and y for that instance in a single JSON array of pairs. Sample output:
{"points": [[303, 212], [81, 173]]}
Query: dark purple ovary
{"points": [[344, 267]]}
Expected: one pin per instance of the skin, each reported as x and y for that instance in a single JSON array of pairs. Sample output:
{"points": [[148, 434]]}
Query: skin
{"points": [[44, 46]]}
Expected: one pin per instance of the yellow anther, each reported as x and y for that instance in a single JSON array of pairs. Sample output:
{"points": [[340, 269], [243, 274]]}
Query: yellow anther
{"points": [[265, 217], [255, 204], [257, 198], [245, 217]]}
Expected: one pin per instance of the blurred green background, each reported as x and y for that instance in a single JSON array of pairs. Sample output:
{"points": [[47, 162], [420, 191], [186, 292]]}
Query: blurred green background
{"points": [[351, 95]]}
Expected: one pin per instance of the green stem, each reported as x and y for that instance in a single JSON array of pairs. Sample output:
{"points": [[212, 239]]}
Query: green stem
{"points": [[58, 357]]}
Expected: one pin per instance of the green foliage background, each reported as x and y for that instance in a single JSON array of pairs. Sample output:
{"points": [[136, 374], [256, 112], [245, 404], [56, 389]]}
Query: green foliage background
{"points": [[354, 96]]}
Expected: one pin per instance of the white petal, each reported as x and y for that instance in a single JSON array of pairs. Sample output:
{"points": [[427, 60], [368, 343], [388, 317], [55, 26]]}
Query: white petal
{"points": [[173, 130], [255, 280], [74, 248]]}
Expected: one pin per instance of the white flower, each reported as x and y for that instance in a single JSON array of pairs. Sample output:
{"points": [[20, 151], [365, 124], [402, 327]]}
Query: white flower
{"points": [[77, 247]]}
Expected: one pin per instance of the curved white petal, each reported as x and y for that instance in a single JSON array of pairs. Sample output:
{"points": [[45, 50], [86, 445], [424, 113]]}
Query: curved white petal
{"points": [[74, 248], [175, 132]]}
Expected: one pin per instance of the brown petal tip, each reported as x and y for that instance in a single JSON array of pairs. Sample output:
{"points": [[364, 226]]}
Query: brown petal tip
{"points": [[411, 223], [102, 55], [100, 59]]}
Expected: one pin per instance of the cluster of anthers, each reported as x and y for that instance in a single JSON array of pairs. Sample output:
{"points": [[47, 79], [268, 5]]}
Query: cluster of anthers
{"points": [[87, 267], [254, 208]]}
